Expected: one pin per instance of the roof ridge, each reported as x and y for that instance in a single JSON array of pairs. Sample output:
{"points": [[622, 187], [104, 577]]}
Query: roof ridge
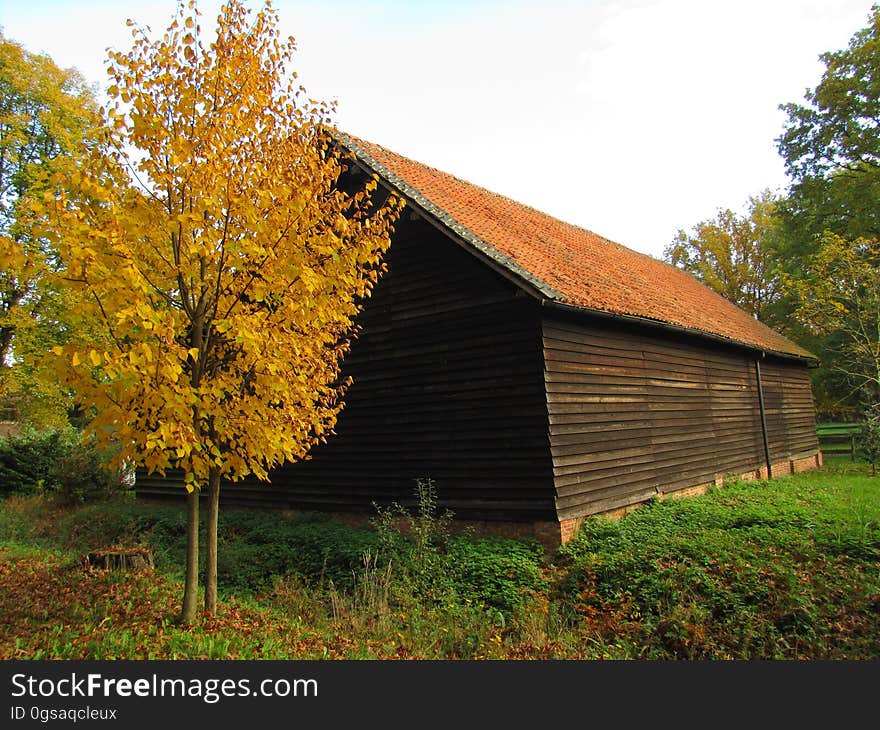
{"points": [[361, 142], [567, 264]]}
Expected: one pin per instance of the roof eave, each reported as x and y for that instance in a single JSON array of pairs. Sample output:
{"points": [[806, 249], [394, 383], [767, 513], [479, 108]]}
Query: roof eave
{"points": [[808, 360]]}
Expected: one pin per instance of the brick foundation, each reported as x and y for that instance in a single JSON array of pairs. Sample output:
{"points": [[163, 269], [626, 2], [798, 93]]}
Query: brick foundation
{"points": [[694, 491], [567, 529]]}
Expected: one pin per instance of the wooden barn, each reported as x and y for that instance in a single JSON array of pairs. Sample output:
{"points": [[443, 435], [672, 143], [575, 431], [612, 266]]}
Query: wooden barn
{"points": [[540, 373]]}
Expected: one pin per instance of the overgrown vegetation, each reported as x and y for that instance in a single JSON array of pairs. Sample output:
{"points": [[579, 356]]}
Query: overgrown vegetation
{"points": [[783, 569], [734, 577]]}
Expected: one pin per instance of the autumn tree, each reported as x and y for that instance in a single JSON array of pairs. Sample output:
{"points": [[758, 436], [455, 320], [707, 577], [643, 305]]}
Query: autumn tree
{"points": [[734, 255], [222, 258], [47, 119], [839, 297]]}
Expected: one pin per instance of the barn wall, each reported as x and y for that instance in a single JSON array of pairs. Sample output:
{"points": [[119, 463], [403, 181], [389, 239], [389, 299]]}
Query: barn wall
{"points": [[791, 417], [634, 413], [447, 384]]}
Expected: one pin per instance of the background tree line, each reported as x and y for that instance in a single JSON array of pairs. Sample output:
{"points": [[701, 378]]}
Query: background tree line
{"points": [[807, 262]]}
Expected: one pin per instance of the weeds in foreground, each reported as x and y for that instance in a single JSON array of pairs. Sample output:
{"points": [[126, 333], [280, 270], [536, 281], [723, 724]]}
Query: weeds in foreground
{"points": [[786, 569]]}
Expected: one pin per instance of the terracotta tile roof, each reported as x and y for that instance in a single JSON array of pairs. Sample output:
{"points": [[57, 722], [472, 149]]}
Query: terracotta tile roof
{"points": [[565, 263]]}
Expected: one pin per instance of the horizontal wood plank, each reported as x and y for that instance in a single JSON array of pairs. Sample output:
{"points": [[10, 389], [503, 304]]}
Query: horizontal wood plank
{"points": [[633, 413]]}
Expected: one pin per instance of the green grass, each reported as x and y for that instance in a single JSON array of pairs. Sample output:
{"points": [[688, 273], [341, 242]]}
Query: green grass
{"points": [[786, 569], [758, 570]]}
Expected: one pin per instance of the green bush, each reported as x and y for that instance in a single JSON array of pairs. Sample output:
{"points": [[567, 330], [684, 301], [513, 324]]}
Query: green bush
{"points": [[432, 565], [162, 529], [82, 475], [27, 460], [257, 547], [55, 461]]}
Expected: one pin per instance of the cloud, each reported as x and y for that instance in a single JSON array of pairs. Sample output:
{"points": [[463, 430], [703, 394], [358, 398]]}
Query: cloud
{"points": [[631, 118]]}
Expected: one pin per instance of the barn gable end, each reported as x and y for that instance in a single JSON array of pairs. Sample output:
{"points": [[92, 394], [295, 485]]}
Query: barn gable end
{"points": [[447, 385]]}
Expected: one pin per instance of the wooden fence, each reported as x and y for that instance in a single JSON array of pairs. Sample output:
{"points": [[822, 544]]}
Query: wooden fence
{"points": [[839, 438]]}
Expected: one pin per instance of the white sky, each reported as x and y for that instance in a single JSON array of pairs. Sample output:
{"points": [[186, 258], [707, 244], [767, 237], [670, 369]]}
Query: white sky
{"points": [[632, 118]]}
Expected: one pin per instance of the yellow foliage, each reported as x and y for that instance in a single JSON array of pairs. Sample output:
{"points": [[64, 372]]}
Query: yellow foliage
{"points": [[222, 260]]}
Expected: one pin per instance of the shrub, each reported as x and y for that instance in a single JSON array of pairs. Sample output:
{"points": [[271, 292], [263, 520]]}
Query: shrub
{"points": [[55, 461], [258, 547], [27, 460], [255, 547], [432, 565], [117, 523], [82, 475], [495, 572]]}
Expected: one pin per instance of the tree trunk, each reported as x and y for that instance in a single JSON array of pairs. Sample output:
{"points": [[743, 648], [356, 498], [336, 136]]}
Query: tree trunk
{"points": [[191, 586], [211, 548]]}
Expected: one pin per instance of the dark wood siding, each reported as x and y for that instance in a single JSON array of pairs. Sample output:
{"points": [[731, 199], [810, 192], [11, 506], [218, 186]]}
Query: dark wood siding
{"points": [[634, 412], [791, 416], [447, 385]]}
